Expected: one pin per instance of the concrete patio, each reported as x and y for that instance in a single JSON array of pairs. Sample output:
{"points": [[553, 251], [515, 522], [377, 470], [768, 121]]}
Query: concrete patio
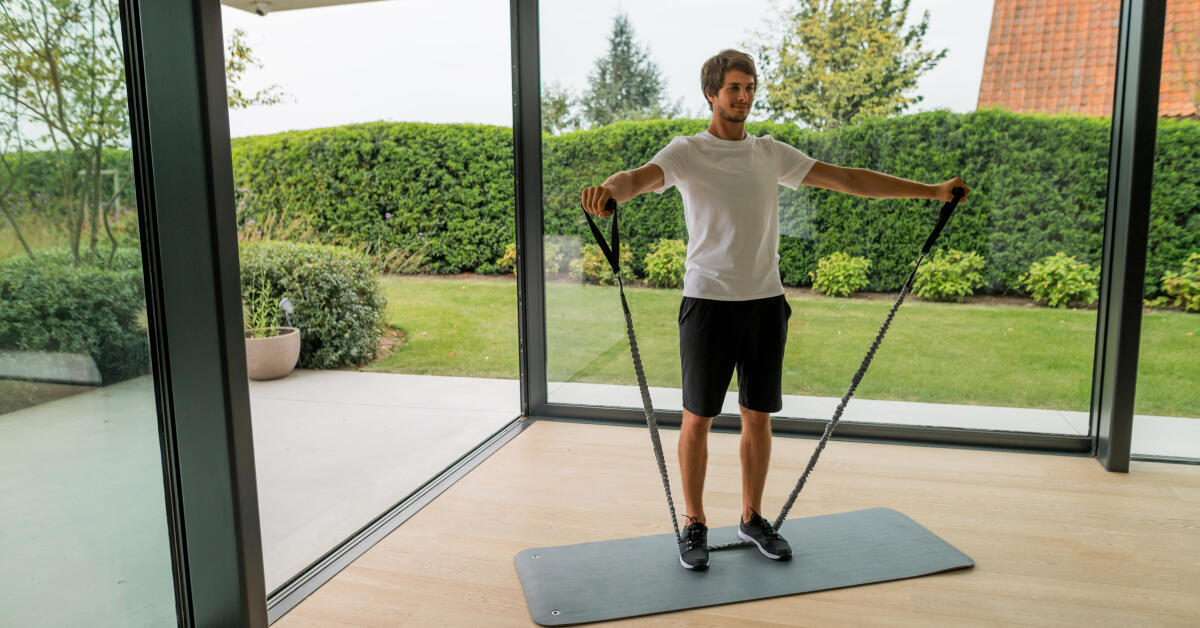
{"points": [[333, 449]]}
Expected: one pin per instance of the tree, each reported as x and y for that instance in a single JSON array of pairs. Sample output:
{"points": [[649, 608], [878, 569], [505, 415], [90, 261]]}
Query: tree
{"points": [[558, 115], [61, 66], [12, 159], [238, 57], [625, 83], [62, 72], [837, 62]]}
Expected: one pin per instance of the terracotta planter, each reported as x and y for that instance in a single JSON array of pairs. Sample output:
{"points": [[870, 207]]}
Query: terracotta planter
{"points": [[274, 357]]}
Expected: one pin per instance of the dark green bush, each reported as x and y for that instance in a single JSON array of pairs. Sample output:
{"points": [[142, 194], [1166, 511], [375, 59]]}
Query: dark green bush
{"points": [[387, 184], [38, 172], [797, 260], [1175, 200], [1038, 187], [339, 305], [573, 161], [51, 305]]}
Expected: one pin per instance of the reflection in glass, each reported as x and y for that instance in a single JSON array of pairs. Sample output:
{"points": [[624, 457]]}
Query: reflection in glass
{"points": [[80, 466]]}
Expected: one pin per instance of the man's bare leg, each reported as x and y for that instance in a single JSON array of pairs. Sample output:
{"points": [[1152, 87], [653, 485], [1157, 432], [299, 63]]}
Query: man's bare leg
{"points": [[693, 463], [756, 457]]}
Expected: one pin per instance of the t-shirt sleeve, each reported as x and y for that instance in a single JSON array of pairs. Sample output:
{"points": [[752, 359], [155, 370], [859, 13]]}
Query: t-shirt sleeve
{"points": [[672, 160], [793, 164]]}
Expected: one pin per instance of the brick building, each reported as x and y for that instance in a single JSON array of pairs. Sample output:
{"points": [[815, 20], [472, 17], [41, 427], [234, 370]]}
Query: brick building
{"points": [[1054, 56]]}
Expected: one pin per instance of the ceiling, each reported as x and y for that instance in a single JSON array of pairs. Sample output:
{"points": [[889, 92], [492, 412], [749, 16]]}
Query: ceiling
{"points": [[270, 6]]}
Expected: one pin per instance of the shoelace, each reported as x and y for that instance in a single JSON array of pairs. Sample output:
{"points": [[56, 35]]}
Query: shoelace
{"points": [[695, 535], [763, 526]]}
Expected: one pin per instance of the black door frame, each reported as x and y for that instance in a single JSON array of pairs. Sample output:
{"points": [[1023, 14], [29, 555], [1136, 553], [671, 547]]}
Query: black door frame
{"points": [[179, 125]]}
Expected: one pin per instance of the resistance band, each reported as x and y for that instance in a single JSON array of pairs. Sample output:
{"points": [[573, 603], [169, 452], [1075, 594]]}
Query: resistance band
{"points": [[612, 254]]}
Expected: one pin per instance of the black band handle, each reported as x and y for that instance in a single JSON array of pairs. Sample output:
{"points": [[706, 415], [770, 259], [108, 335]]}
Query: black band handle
{"points": [[947, 211], [613, 254]]}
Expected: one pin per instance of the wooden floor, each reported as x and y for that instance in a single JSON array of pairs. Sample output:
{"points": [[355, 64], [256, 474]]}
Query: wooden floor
{"points": [[1057, 541]]}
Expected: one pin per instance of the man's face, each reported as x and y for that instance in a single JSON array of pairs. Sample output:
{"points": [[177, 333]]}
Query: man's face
{"points": [[733, 100]]}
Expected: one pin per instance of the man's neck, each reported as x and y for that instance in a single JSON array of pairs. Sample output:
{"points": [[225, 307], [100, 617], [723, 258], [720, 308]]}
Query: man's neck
{"points": [[726, 130]]}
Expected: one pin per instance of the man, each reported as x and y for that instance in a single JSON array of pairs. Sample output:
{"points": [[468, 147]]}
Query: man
{"points": [[733, 314]]}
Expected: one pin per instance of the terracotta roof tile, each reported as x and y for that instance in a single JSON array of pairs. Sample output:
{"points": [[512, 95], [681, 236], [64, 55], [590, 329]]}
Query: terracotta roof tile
{"points": [[1060, 55]]}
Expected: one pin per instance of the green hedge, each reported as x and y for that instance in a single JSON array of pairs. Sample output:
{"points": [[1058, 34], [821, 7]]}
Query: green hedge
{"points": [[338, 304], [1038, 188], [51, 305], [38, 174], [451, 184]]}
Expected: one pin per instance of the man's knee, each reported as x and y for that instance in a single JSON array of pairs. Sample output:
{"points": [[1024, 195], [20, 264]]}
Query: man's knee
{"points": [[752, 419], [695, 420]]}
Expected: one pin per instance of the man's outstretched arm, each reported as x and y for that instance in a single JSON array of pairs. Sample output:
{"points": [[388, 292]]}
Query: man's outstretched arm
{"points": [[871, 184], [622, 187]]}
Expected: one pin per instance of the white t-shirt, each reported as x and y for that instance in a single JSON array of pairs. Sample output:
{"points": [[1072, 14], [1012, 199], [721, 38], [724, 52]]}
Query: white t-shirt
{"points": [[731, 208]]}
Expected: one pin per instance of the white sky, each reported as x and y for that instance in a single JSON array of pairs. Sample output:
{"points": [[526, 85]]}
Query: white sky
{"points": [[449, 61]]}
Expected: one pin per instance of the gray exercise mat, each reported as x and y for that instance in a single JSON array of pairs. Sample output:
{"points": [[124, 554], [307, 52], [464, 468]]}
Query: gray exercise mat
{"points": [[602, 580]]}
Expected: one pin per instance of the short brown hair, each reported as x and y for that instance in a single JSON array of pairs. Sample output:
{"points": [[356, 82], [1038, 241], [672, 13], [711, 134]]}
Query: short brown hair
{"points": [[712, 75]]}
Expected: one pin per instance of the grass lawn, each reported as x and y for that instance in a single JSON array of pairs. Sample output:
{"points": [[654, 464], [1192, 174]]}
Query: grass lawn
{"points": [[991, 355]]}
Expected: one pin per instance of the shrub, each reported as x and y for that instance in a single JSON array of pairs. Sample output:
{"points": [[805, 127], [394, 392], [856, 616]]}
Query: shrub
{"points": [[593, 267], [407, 257], [507, 265], [383, 183], [338, 304], [453, 183], [1060, 280], [949, 275], [840, 275], [1185, 284], [557, 253], [797, 260], [52, 305], [664, 263]]}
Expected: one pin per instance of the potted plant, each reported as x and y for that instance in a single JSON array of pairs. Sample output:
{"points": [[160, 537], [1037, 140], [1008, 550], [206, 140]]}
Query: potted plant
{"points": [[272, 350]]}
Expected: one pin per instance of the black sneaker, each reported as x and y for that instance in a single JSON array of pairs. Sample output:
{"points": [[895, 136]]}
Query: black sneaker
{"points": [[759, 532], [693, 549]]}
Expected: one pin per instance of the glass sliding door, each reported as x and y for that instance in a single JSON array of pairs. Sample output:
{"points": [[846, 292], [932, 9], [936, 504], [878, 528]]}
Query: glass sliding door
{"points": [[83, 526], [1167, 407], [1014, 97], [381, 162]]}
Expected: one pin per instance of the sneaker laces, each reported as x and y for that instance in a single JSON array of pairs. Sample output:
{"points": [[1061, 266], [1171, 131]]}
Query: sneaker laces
{"points": [[762, 525], [695, 533]]}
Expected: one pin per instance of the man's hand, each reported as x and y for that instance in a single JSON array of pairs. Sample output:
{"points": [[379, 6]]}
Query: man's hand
{"points": [[945, 190], [594, 200], [621, 187]]}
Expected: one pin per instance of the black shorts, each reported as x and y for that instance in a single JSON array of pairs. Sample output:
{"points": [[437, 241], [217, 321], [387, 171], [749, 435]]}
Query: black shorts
{"points": [[716, 337]]}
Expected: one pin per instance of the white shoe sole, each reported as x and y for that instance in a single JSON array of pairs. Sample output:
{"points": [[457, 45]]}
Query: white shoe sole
{"points": [[746, 537], [687, 566]]}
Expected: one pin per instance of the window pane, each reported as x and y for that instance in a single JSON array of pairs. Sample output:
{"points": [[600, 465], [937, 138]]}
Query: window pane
{"points": [[1013, 97], [83, 515], [360, 163], [1167, 409]]}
